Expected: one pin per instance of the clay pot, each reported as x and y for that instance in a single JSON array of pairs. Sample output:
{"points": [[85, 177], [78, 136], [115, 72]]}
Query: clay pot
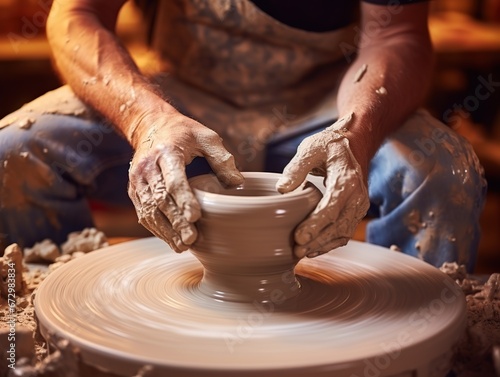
{"points": [[245, 240]]}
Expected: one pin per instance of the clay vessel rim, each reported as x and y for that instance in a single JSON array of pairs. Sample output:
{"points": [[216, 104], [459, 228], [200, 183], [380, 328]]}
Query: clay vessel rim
{"points": [[305, 188]]}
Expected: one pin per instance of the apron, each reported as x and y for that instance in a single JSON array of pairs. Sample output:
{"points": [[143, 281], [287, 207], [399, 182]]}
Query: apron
{"points": [[244, 74]]}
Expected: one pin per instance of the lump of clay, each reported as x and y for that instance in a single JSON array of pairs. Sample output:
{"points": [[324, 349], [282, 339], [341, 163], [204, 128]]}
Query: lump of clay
{"points": [[45, 251], [11, 268], [65, 258], [459, 274], [454, 271], [491, 290], [87, 240]]}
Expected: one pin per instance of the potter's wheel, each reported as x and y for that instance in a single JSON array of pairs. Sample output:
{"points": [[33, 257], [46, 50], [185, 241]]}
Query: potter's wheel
{"points": [[362, 308]]}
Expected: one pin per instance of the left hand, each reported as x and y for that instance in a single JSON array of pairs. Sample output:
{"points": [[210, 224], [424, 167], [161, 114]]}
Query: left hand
{"points": [[345, 201], [158, 186]]}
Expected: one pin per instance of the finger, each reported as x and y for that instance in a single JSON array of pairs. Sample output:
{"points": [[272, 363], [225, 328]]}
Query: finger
{"points": [[344, 189], [165, 232], [166, 235], [140, 194], [327, 212], [141, 219], [151, 219], [135, 180], [172, 166], [306, 159], [221, 161], [146, 201], [165, 199], [181, 226], [341, 229]]}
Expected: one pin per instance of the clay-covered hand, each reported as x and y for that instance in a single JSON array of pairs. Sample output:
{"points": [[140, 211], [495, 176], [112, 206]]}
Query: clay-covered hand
{"points": [[345, 201], [159, 188]]}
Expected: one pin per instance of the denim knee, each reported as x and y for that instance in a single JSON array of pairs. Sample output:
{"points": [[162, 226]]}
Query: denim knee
{"points": [[48, 170], [428, 188]]}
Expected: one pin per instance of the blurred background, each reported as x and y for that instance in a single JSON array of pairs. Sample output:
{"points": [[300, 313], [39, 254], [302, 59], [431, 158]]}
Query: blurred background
{"points": [[466, 38]]}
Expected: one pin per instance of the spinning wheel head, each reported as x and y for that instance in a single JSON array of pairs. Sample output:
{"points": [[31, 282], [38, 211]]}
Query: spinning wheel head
{"points": [[362, 310]]}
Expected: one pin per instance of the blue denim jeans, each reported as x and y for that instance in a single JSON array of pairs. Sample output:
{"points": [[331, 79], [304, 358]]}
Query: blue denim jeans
{"points": [[426, 186]]}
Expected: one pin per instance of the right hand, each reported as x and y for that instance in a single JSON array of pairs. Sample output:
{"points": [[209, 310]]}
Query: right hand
{"points": [[159, 188], [345, 201]]}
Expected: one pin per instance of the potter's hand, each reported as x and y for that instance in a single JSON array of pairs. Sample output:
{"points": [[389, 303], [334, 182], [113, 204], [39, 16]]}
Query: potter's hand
{"points": [[159, 188], [345, 201]]}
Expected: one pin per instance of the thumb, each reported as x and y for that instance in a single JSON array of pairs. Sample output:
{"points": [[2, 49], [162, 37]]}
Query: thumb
{"points": [[297, 169], [308, 157]]}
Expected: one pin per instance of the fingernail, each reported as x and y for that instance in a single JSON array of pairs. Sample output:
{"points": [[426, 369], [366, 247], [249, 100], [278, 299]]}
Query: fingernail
{"points": [[313, 254], [231, 179], [238, 178]]}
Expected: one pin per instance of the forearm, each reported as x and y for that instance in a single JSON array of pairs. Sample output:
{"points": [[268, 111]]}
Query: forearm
{"points": [[99, 69], [398, 68]]}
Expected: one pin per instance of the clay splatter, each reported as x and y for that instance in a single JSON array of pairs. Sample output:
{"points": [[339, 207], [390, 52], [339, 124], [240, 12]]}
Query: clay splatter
{"points": [[26, 124], [90, 81], [360, 73]]}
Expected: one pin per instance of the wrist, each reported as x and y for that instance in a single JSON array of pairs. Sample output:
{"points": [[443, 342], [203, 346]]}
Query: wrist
{"points": [[359, 152], [145, 116], [363, 143]]}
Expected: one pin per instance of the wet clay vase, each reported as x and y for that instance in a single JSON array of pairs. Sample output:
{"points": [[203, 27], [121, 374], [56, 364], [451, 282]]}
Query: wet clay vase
{"points": [[245, 240]]}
